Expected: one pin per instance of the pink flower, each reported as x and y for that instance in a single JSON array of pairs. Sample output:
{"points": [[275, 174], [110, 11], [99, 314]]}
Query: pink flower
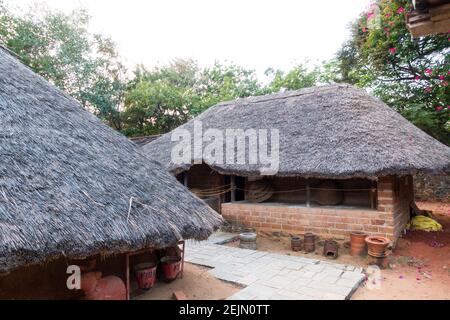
{"points": [[387, 15], [370, 15], [428, 71], [441, 77], [392, 50], [439, 108], [364, 30], [448, 107], [400, 10], [444, 83], [417, 78], [386, 29], [428, 89]]}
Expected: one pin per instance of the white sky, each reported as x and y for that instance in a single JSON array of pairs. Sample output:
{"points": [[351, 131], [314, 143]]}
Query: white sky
{"points": [[255, 34]]}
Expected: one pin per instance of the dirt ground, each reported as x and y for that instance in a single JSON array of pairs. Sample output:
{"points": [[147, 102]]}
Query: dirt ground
{"points": [[419, 266], [196, 283]]}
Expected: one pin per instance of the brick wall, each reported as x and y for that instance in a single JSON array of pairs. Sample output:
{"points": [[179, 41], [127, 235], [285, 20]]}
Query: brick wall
{"points": [[389, 220], [326, 222]]}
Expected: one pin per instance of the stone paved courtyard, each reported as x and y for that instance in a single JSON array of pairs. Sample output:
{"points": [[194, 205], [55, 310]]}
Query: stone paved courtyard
{"points": [[270, 276]]}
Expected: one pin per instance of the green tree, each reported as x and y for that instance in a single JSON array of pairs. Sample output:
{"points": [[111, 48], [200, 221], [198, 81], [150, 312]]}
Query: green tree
{"points": [[59, 47], [297, 78], [225, 82], [410, 75], [160, 99]]}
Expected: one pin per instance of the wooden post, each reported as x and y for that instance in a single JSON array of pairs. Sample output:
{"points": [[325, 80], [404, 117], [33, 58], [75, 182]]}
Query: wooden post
{"points": [[308, 194], [127, 275], [233, 188], [185, 179]]}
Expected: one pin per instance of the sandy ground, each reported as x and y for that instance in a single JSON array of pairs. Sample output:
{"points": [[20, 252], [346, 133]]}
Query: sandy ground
{"points": [[417, 269], [196, 284], [421, 264]]}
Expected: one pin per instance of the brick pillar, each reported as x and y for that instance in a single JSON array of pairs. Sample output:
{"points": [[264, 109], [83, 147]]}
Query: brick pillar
{"points": [[386, 205]]}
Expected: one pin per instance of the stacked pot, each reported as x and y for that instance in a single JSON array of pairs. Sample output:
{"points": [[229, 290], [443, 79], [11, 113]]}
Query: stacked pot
{"points": [[358, 244], [377, 246]]}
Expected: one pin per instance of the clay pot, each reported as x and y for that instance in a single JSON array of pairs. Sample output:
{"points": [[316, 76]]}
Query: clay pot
{"points": [[377, 245], [247, 240], [171, 266], [145, 275], [331, 249], [89, 281], [108, 288], [296, 243], [309, 242], [357, 243]]}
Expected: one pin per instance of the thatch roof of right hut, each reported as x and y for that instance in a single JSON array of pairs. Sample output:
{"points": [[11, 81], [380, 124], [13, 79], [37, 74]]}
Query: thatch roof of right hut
{"points": [[335, 131], [71, 186]]}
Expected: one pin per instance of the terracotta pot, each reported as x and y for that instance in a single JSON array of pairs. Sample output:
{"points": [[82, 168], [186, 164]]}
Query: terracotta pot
{"points": [[331, 249], [296, 243], [377, 245], [145, 275], [89, 281], [357, 243], [171, 266], [108, 288], [309, 242]]}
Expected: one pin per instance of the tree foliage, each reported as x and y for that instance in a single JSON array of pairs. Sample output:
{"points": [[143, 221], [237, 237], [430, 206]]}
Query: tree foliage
{"points": [[59, 47], [410, 75]]}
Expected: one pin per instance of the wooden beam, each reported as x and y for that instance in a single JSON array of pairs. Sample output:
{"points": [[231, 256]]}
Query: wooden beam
{"points": [[308, 194], [233, 188], [185, 179]]}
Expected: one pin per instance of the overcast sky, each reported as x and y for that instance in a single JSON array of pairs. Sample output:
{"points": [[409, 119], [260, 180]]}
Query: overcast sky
{"points": [[255, 34]]}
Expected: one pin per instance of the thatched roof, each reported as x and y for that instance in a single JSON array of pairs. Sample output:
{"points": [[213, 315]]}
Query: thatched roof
{"points": [[143, 140], [66, 181], [334, 131]]}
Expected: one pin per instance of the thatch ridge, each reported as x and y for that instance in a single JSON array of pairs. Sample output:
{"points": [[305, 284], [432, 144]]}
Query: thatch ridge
{"points": [[333, 131], [66, 181]]}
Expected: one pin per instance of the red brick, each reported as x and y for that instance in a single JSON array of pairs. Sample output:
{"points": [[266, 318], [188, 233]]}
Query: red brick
{"points": [[378, 222]]}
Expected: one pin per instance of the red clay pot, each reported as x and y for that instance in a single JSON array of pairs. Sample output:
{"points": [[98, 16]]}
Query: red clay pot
{"points": [[296, 243], [377, 245], [108, 288], [357, 243], [309, 242], [171, 266], [89, 281], [145, 275]]}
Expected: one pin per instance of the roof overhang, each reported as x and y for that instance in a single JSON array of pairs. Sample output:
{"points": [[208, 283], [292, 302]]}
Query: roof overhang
{"points": [[429, 17]]}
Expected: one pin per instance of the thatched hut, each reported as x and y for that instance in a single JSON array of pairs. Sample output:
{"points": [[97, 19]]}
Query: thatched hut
{"points": [[72, 188], [347, 163]]}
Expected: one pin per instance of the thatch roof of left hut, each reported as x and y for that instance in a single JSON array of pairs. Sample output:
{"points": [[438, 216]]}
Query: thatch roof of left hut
{"points": [[67, 181]]}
